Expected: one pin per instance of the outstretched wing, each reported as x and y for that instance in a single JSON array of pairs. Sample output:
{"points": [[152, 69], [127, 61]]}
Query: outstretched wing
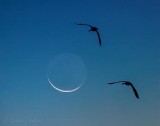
{"points": [[84, 24], [116, 82], [99, 38], [135, 91]]}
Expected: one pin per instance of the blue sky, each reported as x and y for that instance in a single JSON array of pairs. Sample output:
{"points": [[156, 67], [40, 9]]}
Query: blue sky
{"points": [[33, 32]]}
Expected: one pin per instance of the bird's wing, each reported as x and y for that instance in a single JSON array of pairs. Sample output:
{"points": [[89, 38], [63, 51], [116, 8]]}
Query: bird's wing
{"points": [[84, 24], [99, 38], [135, 91], [116, 82]]}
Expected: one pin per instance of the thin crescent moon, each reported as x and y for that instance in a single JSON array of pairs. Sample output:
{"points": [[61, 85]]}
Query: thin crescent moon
{"points": [[64, 91]]}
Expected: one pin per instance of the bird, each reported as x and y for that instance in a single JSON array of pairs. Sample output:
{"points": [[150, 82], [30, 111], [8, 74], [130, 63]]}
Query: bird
{"points": [[128, 84], [93, 29]]}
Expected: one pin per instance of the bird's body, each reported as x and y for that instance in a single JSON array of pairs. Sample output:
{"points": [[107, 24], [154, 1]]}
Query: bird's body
{"points": [[94, 29], [128, 84]]}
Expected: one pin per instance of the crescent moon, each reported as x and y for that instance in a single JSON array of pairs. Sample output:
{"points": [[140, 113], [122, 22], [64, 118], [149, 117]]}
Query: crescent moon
{"points": [[64, 91]]}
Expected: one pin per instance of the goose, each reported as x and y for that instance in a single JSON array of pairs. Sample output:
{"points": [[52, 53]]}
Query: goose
{"points": [[93, 29], [128, 84]]}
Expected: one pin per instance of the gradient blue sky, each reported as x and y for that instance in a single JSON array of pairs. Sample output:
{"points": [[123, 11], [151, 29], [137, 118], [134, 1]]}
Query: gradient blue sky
{"points": [[33, 32]]}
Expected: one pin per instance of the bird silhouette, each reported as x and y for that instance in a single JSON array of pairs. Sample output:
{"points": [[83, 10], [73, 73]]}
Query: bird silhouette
{"points": [[94, 29], [128, 84]]}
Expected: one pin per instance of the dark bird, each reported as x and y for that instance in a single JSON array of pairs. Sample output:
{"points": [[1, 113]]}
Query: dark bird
{"points": [[128, 84], [94, 29]]}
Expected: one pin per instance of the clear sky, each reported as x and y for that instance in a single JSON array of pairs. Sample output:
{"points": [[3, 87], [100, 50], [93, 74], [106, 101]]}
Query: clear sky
{"points": [[33, 32]]}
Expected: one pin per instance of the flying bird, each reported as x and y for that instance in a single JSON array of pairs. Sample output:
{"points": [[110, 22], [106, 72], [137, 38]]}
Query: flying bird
{"points": [[94, 29], [128, 84]]}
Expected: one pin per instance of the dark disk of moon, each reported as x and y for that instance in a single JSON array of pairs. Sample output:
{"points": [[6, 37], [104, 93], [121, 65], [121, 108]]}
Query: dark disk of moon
{"points": [[66, 72]]}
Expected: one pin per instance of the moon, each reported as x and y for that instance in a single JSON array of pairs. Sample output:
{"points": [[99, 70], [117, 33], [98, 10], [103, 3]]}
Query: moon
{"points": [[64, 91], [66, 73]]}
